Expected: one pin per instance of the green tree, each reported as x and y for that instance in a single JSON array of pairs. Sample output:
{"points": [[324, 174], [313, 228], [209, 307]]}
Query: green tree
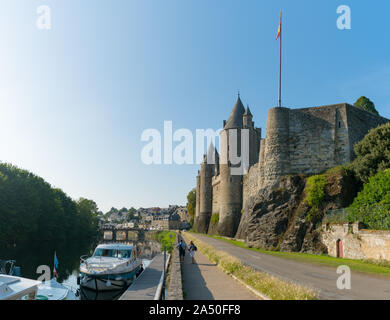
{"points": [[372, 153], [130, 216], [366, 104], [372, 205], [34, 213], [191, 205]]}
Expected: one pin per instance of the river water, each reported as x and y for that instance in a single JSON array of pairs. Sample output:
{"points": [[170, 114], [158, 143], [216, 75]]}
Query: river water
{"points": [[29, 259]]}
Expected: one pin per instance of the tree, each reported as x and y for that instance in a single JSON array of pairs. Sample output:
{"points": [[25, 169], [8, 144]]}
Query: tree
{"points": [[112, 210], [132, 211], [372, 205], [88, 217], [366, 104], [191, 204], [372, 153], [34, 213]]}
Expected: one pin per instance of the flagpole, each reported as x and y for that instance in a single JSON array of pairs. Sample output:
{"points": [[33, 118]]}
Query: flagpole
{"points": [[280, 63]]}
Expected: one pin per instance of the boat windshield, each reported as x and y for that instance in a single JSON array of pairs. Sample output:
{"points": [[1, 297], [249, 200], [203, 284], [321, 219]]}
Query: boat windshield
{"points": [[125, 254]]}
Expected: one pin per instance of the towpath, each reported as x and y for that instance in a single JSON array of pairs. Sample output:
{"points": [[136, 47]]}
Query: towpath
{"points": [[205, 281]]}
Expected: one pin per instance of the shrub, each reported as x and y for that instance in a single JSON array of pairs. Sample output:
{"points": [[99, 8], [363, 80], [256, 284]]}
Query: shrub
{"points": [[372, 205], [366, 104], [315, 194], [372, 153], [315, 190], [166, 239]]}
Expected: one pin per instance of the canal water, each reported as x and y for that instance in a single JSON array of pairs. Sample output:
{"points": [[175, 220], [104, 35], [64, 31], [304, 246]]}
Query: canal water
{"points": [[29, 259]]}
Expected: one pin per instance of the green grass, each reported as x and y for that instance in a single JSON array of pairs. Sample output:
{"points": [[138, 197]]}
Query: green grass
{"points": [[365, 266], [166, 238]]}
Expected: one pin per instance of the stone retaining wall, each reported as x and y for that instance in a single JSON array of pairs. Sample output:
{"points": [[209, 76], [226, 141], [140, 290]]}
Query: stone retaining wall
{"points": [[356, 243], [175, 289]]}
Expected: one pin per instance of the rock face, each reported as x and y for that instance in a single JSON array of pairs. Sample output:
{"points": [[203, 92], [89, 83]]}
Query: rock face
{"points": [[266, 216], [275, 219]]}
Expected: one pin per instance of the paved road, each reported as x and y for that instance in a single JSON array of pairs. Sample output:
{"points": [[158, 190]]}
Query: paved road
{"points": [[323, 279], [205, 281]]}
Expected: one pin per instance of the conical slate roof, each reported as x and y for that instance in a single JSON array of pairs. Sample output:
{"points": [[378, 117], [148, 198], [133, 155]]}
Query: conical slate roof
{"points": [[235, 118], [248, 112], [212, 154], [211, 149]]}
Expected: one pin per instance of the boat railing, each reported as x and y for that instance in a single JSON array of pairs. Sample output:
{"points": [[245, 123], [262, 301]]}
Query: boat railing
{"points": [[83, 259]]}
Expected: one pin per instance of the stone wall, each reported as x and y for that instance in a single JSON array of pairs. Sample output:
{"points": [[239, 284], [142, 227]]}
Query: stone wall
{"points": [[311, 140], [175, 287], [357, 243], [360, 122], [298, 141], [250, 183]]}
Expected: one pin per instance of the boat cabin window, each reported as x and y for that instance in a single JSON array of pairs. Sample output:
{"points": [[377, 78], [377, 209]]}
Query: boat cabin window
{"points": [[111, 253]]}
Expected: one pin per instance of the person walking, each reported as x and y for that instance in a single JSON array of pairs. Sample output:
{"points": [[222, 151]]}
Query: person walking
{"points": [[182, 250], [192, 248]]}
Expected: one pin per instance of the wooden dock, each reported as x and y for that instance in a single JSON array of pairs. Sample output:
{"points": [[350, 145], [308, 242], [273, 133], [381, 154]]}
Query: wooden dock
{"points": [[149, 284]]}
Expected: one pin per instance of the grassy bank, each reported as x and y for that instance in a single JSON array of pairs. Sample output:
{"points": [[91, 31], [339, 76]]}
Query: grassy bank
{"points": [[365, 266], [166, 238], [269, 286]]}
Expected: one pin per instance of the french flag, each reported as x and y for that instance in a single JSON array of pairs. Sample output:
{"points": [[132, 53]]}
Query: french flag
{"points": [[55, 265]]}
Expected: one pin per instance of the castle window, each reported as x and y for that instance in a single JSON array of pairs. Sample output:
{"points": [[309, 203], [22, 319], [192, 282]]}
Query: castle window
{"points": [[339, 124]]}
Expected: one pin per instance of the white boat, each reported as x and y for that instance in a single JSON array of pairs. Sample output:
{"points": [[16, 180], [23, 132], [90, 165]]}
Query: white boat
{"points": [[112, 267], [52, 290], [17, 288]]}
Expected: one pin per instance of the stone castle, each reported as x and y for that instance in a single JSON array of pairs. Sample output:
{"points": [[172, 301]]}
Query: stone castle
{"points": [[298, 141]]}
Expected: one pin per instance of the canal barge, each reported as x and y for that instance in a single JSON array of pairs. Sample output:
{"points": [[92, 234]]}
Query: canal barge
{"points": [[111, 267]]}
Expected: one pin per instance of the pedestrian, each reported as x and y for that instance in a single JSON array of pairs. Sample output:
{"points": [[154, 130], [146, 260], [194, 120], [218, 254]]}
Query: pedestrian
{"points": [[192, 248], [182, 250]]}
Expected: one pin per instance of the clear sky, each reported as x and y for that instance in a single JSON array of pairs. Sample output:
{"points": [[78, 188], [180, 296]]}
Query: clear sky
{"points": [[75, 99]]}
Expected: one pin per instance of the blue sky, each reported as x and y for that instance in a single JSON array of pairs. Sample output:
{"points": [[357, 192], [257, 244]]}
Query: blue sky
{"points": [[74, 100]]}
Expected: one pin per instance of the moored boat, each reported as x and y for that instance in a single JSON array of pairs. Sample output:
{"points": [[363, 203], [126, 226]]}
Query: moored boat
{"points": [[15, 287], [52, 290], [111, 267]]}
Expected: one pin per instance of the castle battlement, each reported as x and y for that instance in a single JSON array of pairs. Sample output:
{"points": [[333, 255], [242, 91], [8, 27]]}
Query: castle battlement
{"points": [[298, 141]]}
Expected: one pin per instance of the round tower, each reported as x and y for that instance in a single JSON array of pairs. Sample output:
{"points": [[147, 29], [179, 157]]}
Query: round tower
{"points": [[230, 202], [277, 153], [231, 184], [197, 201], [205, 196]]}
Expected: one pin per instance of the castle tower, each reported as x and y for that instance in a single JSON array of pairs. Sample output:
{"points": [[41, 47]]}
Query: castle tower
{"points": [[247, 118], [254, 137], [231, 185], [277, 153], [206, 191], [197, 201]]}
